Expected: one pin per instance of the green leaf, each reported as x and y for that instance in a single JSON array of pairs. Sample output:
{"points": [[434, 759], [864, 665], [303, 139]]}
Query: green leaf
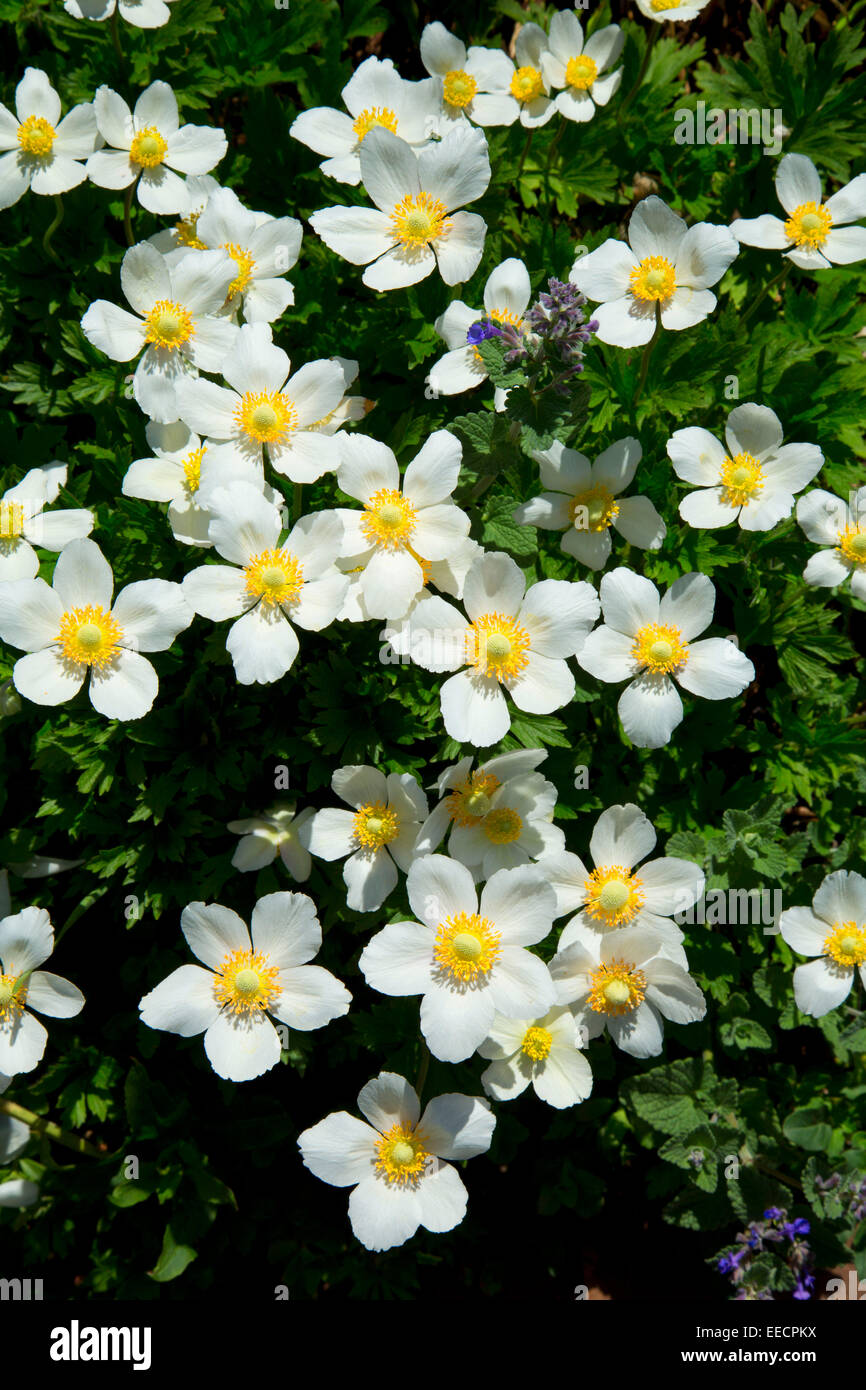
{"points": [[807, 1128], [173, 1259]]}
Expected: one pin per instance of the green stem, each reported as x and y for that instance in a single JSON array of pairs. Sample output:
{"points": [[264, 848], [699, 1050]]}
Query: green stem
{"points": [[654, 31], [127, 209], [770, 285], [52, 228], [422, 1070], [47, 1127], [526, 145], [115, 39], [645, 361]]}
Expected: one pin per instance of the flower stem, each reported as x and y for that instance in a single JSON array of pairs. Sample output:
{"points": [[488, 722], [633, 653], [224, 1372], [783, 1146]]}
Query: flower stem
{"points": [[770, 285], [654, 31], [526, 145], [51, 1130], [645, 361], [52, 228], [127, 209], [115, 39]]}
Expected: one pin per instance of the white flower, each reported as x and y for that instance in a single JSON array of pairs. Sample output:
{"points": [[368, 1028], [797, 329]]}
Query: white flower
{"points": [[197, 190], [375, 96], [623, 981], [266, 408], [576, 66], [474, 85], [529, 85], [827, 520], [543, 1052], [185, 473], [262, 247], [582, 501], [834, 930], [378, 836], [448, 576], [816, 233], [247, 980], [467, 961], [646, 640], [673, 11], [173, 321], [71, 628], [753, 481], [17, 1192], [513, 640], [394, 1163], [23, 523], [14, 1134], [43, 151], [413, 226], [26, 940], [279, 831], [665, 264], [142, 14], [405, 523], [506, 295], [616, 894], [267, 586], [498, 816], [148, 144]]}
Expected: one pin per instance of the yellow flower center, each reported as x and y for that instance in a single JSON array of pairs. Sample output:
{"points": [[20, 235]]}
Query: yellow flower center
{"points": [[846, 944], [419, 219], [660, 649], [11, 520], [581, 72], [502, 825], [458, 88], [469, 802], [245, 267], [274, 576], [613, 895], [660, 5], [192, 469], [617, 988], [594, 509], [246, 984], [266, 416], [809, 225], [187, 231], [376, 825], [148, 148], [168, 325], [742, 478], [11, 1000], [389, 519], [536, 1044], [36, 136], [401, 1156], [373, 116], [654, 279], [852, 544], [527, 84], [89, 636], [496, 646], [467, 947]]}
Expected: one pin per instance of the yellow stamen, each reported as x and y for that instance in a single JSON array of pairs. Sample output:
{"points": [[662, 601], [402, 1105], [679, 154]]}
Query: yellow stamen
{"points": [[536, 1044], [581, 72], [846, 944], [246, 984], [614, 896], [458, 88], [11, 520], [376, 825], [659, 648], [496, 646], [245, 266], [469, 802], [467, 947], [401, 1156], [742, 478], [148, 148], [388, 520], [502, 826], [852, 544], [192, 469], [809, 225], [11, 1000], [654, 279], [593, 510], [187, 231], [168, 325], [419, 219], [527, 84], [372, 117], [89, 636], [617, 988], [36, 136], [274, 576], [659, 5], [266, 416]]}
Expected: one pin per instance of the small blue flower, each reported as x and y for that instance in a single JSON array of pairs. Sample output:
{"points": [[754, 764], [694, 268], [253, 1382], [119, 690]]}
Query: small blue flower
{"points": [[484, 328]]}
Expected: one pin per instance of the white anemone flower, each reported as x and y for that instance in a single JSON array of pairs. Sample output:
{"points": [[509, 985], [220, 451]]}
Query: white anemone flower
{"points": [[515, 640], [671, 11], [250, 976], [447, 576], [18, 1192], [646, 639], [619, 891], [71, 629], [828, 521], [264, 407], [473, 85], [752, 481], [584, 501], [14, 1133], [185, 473], [576, 65], [197, 190], [816, 233], [395, 1164], [413, 227], [666, 266], [147, 145], [267, 586], [541, 1052], [529, 85], [279, 831], [833, 930], [506, 296], [375, 96], [43, 152], [406, 523], [26, 940], [498, 816], [467, 960], [625, 982], [141, 14], [173, 322], [376, 838], [23, 523]]}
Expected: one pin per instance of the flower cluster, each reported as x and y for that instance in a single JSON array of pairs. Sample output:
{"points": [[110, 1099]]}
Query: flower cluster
{"points": [[767, 1236]]}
